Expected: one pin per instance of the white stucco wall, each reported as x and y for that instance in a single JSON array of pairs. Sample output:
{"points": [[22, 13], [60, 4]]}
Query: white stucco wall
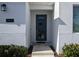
{"points": [[55, 36], [33, 24], [66, 34], [14, 33]]}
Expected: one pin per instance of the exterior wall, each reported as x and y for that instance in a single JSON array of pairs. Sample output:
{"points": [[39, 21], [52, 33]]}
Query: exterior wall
{"points": [[60, 29], [65, 28], [33, 24], [14, 33], [55, 36]]}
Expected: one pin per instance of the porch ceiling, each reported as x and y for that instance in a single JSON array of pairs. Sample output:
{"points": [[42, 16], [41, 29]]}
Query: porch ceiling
{"points": [[41, 5]]}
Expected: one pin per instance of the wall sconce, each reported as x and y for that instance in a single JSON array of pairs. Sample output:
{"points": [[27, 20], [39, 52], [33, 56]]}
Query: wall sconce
{"points": [[3, 7]]}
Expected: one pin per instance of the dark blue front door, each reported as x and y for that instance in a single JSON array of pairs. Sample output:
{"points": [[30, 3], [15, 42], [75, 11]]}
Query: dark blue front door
{"points": [[41, 22]]}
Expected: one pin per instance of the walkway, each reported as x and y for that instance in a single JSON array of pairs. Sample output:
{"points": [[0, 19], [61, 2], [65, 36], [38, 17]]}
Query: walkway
{"points": [[42, 50]]}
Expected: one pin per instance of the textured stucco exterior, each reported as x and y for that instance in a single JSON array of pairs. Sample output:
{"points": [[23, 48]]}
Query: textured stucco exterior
{"points": [[66, 34], [16, 32], [22, 30]]}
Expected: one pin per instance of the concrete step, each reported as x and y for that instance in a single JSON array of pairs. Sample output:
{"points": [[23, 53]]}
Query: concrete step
{"points": [[42, 50]]}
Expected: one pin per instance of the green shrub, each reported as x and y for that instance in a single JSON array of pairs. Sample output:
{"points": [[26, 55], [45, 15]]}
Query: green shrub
{"points": [[71, 50], [12, 51]]}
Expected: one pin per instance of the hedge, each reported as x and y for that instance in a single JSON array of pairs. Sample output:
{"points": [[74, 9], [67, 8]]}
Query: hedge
{"points": [[71, 50], [13, 51]]}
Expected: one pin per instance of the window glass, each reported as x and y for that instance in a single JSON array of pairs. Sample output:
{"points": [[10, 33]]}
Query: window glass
{"points": [[75, 18]]}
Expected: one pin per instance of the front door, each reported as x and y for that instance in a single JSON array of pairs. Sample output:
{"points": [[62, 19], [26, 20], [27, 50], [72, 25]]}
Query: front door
{"points": [[41, 22]]}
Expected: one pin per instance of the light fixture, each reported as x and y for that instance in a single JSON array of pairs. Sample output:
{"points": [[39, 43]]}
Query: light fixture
{"points": [[3, 7]]}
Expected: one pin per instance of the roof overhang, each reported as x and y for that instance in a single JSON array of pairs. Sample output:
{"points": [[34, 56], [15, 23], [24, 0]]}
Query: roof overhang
{"points": [[41, 5]]}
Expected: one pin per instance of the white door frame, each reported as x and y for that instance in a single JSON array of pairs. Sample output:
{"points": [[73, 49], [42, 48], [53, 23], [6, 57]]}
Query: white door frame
{"points": [[33, 24]]}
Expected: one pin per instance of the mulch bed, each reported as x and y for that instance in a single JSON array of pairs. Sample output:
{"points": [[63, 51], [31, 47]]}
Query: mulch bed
{"points": [[55, 54], [30, 51]]}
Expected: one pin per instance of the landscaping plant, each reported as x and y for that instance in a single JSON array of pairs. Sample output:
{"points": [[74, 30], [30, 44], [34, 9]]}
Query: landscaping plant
{"points": [[71, 50], [13, 51]]}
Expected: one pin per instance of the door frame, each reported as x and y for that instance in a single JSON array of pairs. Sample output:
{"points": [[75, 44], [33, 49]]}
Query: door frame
{"points": [[45, 27]]}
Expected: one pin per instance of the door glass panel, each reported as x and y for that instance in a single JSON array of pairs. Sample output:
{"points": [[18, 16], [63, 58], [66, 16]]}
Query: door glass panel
{"points": [[41, 27]]}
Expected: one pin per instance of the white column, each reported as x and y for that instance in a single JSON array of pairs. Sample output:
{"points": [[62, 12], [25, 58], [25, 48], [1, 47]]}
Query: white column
{"points": [[27, 25], [55, 27]]}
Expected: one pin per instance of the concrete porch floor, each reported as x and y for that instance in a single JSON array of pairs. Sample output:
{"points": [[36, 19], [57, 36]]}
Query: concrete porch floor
{"points": [[42, 50]]}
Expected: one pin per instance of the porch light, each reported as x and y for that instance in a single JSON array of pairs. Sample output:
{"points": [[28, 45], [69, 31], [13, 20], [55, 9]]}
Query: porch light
{"points": [[3, 7]]}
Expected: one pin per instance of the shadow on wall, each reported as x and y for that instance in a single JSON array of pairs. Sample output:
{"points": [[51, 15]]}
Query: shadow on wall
{"points": [[12, 21], [56, 23]]}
